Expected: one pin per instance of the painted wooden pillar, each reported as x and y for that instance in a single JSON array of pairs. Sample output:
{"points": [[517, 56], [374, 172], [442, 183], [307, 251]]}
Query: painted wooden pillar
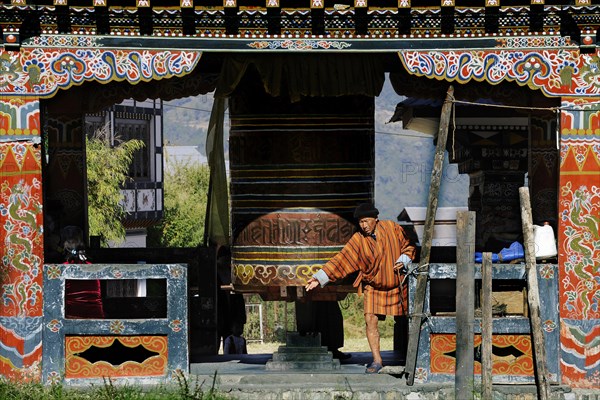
{"points": [[578, 241], [21, 244]]}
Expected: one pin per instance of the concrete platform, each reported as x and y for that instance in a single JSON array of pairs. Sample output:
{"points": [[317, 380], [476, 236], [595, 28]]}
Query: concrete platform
{"points": [[245, 377]]}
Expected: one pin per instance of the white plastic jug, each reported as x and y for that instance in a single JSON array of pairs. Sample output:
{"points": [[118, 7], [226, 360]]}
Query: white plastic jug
{"points": [[545, 245]]}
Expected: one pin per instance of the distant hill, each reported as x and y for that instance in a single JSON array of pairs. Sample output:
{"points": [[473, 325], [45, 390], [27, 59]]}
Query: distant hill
{"points": [[186, 121], [403, 158]]}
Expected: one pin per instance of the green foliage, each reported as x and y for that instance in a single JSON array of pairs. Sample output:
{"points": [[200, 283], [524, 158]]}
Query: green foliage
{"points": [[185, 188], [107, 168], [185, 390], [188, 391]]}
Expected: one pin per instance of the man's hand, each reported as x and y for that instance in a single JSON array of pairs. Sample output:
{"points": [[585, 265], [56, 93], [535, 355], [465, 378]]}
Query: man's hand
{"points": [[311, 284], [399, 266]]}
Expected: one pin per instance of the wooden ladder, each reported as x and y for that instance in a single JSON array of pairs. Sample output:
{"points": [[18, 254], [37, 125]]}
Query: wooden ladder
{"points": [[533, 299]]}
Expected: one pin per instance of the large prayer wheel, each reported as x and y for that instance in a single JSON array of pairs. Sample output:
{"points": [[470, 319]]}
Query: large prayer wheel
{"points": [[298, 170]]}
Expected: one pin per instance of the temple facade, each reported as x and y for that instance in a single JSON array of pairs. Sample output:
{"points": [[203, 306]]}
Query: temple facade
{"points": [[299, 79]]}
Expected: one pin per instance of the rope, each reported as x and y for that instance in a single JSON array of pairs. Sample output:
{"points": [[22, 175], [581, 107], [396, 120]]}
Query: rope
{"points": [[417, 270], [453, 129], [414, 271], [554, 109], [424, 318], [345, 303]]}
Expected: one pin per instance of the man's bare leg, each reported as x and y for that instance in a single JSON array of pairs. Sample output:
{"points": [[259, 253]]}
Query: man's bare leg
{"points": [[373, 337]]}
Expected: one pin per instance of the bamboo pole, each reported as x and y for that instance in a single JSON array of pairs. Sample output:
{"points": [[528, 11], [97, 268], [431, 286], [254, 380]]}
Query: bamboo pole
{"points": [[434, 188], [486, 326], [533, 296]]}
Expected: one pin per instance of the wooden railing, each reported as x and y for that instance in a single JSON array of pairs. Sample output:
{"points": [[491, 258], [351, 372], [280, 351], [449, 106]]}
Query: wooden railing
{"points": [[139, 348]]}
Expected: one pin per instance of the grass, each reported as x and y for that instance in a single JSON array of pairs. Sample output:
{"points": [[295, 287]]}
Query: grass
{"points": [[185, 389]]}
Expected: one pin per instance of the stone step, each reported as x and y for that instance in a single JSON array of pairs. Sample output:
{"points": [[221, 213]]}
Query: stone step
{"points": [[302, 365], [305, 356], [297, 349]]}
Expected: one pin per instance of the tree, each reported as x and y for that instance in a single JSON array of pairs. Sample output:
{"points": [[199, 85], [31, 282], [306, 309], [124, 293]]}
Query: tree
{"points": [[107, 168], [186, 188]]}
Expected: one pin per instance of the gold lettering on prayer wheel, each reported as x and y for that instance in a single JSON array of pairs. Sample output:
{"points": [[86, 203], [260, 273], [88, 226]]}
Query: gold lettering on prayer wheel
{"points": [[298, 170]]}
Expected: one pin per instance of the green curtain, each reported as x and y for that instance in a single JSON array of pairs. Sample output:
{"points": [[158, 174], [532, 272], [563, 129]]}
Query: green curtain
{"points": [[289, 75], [217, 215]]}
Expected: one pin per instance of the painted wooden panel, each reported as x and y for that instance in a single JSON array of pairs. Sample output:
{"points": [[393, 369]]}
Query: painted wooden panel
{"points": [[558, 72], [78, 366], [511, 354], [65, 337]]}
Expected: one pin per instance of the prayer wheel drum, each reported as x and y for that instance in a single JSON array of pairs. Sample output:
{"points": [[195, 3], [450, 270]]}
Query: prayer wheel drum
{"points": [[298, 170]]}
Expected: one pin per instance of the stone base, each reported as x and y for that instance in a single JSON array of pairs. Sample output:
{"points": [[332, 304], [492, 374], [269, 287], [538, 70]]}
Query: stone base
{"points": [[302, 353]]}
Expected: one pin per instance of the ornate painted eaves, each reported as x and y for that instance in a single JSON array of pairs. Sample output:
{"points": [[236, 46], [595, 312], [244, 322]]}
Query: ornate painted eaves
{"points": [[41, 72], [557, 72]]}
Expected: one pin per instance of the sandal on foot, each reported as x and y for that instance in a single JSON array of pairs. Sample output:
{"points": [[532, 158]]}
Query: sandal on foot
{"points": [[374, 368]]}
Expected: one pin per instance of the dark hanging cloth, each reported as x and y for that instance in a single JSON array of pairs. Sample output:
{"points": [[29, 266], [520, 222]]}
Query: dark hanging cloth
{"points": [[324, 317], [83, 299]]}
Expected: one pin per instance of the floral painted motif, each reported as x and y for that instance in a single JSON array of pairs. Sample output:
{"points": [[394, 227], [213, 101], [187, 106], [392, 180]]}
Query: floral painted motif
{"points": [[53, 378], [290, 44], [117, 327], [176, 272], [54, 325], [549, 325], [177, 373], [420, 375], [176, 325], [546, 271], [54, 272]]}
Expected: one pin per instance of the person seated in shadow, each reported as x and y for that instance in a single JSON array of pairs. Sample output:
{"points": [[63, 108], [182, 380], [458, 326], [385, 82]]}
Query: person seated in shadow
{"points": [[235, 343], [83, 298], [231, 306]]}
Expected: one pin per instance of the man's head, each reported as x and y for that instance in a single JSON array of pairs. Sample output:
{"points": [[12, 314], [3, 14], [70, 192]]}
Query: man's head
{"points": [[366, 214]]}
